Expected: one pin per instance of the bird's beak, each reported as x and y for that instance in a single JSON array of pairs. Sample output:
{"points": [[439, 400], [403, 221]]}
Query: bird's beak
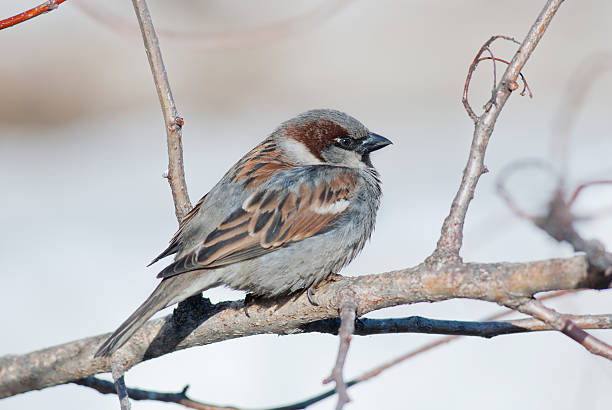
{"points": [[373, 143]]}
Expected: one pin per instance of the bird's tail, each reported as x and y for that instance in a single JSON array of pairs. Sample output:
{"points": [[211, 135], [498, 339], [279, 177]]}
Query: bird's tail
{"points": [[159, 299]]}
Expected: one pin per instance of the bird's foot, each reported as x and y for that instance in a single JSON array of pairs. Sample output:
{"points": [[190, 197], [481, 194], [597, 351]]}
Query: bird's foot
{"points": [[247, 299]]}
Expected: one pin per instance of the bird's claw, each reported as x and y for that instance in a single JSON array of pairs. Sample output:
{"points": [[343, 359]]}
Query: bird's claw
{"points": [[247, 299], [310, 295]]}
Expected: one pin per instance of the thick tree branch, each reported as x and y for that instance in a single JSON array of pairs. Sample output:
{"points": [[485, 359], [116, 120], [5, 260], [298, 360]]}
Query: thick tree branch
{"points": [[33, 12], [174, 123], [414, 324], [451, 237], [496, 282]]}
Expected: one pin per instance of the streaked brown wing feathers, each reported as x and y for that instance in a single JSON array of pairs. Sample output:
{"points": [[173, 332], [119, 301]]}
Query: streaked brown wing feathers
{"points": [[258, 165], [268, 221]]}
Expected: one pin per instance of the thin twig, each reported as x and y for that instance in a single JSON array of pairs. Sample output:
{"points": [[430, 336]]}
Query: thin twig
{"points": [[451, 237], [106, 387], [348, 308], [564, 324], [117, 373], [513, 86], [596, 213], [581, 187], [174, 123], [376, 371], [468, 79], [33, 12], [494, 68]]}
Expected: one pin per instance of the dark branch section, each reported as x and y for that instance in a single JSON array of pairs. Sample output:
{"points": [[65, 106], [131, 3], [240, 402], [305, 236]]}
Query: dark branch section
{"points": [[418, 324], [106, 387]]}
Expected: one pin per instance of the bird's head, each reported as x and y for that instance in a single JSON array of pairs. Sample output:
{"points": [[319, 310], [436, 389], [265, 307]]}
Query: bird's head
{"points": [[328, 137]]}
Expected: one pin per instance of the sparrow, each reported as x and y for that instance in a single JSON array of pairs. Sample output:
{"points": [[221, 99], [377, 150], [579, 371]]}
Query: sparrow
{"points": [[296, 208]]}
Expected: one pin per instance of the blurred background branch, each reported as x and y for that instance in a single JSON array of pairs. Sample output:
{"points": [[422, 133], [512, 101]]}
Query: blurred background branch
{"points": [[46, 7]]}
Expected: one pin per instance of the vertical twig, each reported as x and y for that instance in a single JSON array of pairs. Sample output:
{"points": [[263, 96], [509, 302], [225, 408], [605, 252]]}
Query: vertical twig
{"points": [[174, 123], [348, 308], [451, 237], [122, 392]]}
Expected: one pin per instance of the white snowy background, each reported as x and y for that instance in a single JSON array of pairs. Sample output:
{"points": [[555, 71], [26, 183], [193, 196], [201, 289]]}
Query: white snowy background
{"points": [[84, 207]]}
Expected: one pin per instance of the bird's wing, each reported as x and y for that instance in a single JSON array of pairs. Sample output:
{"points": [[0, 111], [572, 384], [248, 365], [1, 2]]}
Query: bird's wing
{"points": [[256, 167], [269, 219]]}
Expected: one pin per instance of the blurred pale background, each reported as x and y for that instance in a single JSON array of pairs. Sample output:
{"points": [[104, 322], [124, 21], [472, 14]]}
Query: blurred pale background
{"points": [[84, 207]]}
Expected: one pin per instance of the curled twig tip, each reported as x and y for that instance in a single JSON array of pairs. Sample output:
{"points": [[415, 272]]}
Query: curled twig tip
{"points": [[510, 86]]}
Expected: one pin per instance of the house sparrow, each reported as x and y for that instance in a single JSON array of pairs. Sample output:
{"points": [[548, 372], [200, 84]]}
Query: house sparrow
{"points": [[296, 208]]}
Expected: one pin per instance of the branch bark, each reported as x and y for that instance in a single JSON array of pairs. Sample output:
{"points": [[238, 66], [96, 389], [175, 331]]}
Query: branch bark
{"points": [[346, 312], [567, 326], [120, 388], [495, 282], [414, 324], [174, 123], [451, 237]]}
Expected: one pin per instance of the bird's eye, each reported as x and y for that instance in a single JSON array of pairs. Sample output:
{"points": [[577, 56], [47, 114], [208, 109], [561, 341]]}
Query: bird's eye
{"points": [[345, 142]]}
